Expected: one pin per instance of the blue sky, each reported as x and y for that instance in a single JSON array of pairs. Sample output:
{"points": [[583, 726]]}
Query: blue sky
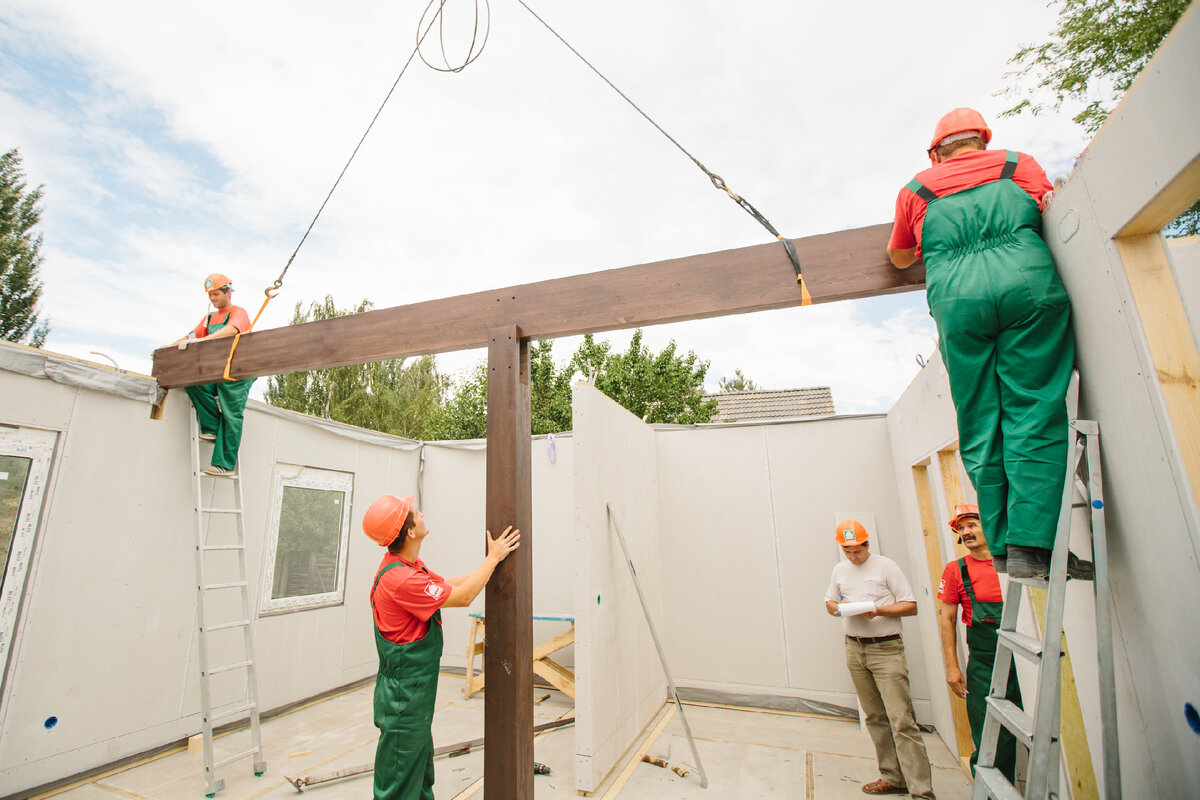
{"points": [[178, 139]]}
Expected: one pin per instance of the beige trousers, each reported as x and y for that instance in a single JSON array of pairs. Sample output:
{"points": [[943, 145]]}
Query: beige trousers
{"points": [[880, 674]]}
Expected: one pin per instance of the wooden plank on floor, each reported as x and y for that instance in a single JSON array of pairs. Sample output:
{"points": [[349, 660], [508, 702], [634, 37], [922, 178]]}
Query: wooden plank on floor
{"points": [[636, 758]]}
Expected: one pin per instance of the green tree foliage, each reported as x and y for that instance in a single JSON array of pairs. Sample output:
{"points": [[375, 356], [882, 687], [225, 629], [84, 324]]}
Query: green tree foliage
{"points": [[387, 396], [738, 383], [1093, 56], [660, 387], [464, 413], [20, 288]]}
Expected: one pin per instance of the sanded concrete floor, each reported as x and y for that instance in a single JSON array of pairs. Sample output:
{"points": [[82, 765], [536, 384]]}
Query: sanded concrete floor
{"points": [[747, 755]]}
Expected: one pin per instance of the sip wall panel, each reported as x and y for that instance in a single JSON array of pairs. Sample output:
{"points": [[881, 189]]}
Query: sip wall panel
{"points": [[620, 684]]}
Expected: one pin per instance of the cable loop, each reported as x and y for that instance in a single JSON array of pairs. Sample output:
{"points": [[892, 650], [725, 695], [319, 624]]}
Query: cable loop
{"points": [[472, 53]]}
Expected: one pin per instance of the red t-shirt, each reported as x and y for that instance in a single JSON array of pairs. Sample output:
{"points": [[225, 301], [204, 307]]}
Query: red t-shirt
{"points": [[964, 171], [405, 599], [238, 318], [984, 581]]}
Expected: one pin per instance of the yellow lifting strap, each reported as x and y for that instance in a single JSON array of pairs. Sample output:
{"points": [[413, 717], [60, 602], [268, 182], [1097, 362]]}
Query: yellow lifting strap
{"points": [[270, 292]]}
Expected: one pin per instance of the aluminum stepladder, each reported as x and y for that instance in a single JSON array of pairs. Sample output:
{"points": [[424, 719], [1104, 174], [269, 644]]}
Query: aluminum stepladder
{"points": [[205, 513], [1041, 732]]}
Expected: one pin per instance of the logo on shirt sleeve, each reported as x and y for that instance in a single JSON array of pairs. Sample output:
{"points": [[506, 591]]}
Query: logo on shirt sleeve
{"points": [[434, 590], [942, 586]]}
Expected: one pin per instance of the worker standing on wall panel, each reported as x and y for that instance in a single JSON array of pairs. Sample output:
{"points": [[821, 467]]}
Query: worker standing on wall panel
{"points": [[406, 602], [1004, 329], [972, 582], [220, 407], [870, 593]]}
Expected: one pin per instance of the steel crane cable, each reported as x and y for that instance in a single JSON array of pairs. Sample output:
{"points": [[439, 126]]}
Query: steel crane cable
{"points": [[716, 179], [421, 34], [472, 54]]}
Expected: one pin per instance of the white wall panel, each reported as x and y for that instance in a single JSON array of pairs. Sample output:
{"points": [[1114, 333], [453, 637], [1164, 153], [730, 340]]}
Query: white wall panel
{"points": [[619, 682], [747, 515]]}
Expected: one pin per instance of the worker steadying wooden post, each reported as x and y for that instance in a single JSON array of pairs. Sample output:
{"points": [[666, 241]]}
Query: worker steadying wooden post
{"points": [[1004, 330], [406, 603]]}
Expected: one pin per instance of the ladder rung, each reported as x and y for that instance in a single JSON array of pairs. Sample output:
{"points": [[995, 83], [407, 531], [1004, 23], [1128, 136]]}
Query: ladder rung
{"points": [[233, 712], [230, 667], [1027, 646], [225, 625], [251, 752], [220, 510], [997, 785], [1013, 718], [223, 585], [1037, 583], [222, 547]]}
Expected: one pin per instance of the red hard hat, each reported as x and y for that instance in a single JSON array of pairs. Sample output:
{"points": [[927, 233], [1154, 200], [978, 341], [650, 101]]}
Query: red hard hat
{"points": [[386, 517], [850, 532], [216, 281], [961, 512], [960, 120]]}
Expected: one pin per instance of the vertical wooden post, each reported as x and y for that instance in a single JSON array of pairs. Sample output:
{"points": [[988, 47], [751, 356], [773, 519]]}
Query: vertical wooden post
{"points": [[508, 656]]}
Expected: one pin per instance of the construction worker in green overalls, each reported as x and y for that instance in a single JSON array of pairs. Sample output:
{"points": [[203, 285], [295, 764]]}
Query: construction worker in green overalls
{"points": [[220, 407], [971, 582], [406, 602], [1004, 330]]}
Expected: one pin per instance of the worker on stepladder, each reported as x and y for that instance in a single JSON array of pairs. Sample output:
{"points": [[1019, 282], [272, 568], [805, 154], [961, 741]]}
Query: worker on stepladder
{"points": [[220, 407], [972, 582], [406, 601], [1004, 330], [875, 658]]}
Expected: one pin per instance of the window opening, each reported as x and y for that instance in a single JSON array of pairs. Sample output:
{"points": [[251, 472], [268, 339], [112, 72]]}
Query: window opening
{"points": [[310, 533], [25, 458]]}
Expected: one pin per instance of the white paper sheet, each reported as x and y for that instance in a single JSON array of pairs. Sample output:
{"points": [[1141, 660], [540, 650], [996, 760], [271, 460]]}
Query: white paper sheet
{"points": [[854, 609]]}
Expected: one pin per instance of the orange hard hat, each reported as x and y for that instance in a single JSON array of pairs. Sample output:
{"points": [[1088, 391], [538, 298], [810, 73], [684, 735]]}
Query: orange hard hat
{"points": [[216, 281], [850, 532], [960, 120], [386, 517], [961, 512]]}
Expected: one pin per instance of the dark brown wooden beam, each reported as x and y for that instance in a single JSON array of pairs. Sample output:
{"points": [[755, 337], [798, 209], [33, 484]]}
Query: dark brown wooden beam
{"points": [[508, 655], [837, 266]]}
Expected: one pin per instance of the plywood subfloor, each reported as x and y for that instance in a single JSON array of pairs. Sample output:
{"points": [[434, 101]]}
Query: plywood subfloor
{"points": [[748, 754]]}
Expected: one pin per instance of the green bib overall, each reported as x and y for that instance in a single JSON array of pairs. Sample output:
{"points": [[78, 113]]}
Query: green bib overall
{"points": [[1004, 332], [220, 408], [405, 690], [981, 657]]}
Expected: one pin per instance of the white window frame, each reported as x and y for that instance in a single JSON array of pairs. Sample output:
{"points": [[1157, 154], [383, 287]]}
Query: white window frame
{"points": [[38, 446], [302, 477]]}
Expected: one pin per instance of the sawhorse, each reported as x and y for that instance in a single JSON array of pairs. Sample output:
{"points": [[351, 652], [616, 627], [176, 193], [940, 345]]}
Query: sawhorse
{"points": [[551, 671]]}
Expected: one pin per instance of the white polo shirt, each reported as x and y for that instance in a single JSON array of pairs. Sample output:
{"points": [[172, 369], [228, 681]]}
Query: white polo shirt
{"points": [[878, 579]]}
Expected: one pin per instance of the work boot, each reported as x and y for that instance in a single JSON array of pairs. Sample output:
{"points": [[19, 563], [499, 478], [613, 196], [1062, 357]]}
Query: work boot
{"points": [[1034, 562], [1000, 563]]}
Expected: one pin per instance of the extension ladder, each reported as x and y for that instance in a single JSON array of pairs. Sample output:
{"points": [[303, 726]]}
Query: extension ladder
{"points": [[1040, 734], [212, 557]]}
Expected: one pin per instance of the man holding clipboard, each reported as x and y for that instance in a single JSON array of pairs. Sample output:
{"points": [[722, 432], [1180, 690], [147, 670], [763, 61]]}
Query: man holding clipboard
{"points": [[870, 593]]}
